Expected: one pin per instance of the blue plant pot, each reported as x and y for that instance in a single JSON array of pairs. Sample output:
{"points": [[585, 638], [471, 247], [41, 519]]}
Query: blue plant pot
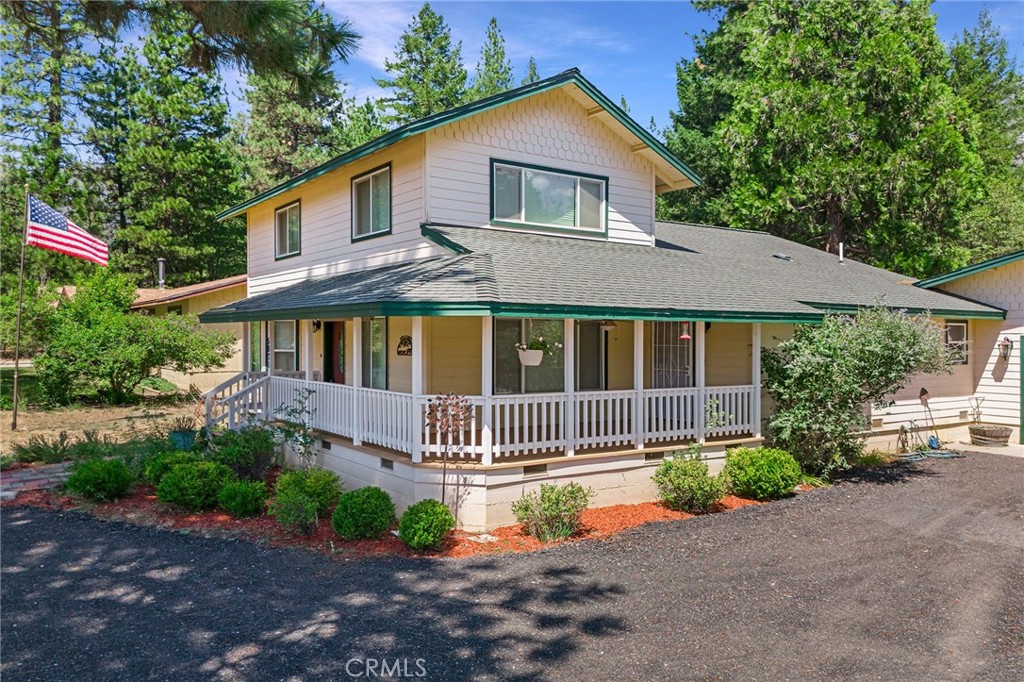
{"points": [[182, 440]]}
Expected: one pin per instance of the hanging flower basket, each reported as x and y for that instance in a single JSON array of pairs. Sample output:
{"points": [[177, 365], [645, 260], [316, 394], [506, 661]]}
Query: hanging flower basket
{"points": [[531, 358]]}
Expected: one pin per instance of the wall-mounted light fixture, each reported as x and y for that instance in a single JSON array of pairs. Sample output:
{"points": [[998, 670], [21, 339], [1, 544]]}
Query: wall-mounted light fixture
{"points": [[607, 325], [317, 324], [1005, 348]]}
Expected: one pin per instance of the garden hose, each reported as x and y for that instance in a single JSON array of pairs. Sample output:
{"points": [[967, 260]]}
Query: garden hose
{"points": [[922, 455]]}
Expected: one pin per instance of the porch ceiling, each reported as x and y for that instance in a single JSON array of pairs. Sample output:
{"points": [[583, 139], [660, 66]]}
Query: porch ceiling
{"points": [[693, 272]]}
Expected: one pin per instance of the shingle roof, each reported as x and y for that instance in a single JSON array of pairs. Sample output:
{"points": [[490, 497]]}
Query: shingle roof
{"points": [[150, 297], [999, 261], [693, 272]]}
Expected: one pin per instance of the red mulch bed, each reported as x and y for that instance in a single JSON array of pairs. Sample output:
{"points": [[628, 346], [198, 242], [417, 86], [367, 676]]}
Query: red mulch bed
{"points": [[143, 508]]}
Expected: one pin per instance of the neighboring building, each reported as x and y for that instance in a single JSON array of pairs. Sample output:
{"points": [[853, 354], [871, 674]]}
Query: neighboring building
{"points": [[413, 265], [196, 299]]}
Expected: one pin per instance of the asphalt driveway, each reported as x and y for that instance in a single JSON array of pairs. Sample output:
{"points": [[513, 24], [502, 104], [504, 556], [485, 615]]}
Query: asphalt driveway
{"points": [[913, 575]]}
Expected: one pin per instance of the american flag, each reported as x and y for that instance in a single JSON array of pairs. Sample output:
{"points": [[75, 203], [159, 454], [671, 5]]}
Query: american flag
{"points": [[48, 229]]}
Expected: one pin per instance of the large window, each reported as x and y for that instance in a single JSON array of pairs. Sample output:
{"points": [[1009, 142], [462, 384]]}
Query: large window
{"points": [[510, 376], [288, 222], [375, 352], [957, 341], [371, 203], [285, 340], [547, 198]]}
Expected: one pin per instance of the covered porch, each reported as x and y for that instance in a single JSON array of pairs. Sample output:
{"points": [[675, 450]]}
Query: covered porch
{"points": [[614, 386]]}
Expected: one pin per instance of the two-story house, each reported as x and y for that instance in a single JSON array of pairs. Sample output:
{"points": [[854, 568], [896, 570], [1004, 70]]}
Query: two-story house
{"points": [[413, 266]]}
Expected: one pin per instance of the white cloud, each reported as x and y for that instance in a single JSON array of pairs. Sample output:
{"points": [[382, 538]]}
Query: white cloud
{"points": [[379, 22]]}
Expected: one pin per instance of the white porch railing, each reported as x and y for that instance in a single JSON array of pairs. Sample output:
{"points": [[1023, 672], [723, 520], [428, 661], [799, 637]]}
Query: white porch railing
{"points": [[501, 426]]}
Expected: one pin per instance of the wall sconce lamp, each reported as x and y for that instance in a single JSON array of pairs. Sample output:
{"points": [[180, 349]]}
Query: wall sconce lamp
{"points": [[1005, 348], [607, 325], [317, 324]]}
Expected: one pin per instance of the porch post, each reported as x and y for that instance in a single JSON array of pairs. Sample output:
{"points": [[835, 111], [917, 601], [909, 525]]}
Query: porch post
{"points": [[487, 388], [357, 380], [639, 407], [755, 378], [246, 347], [416, 446], [307, 348], [702, 397], [570, 387]]}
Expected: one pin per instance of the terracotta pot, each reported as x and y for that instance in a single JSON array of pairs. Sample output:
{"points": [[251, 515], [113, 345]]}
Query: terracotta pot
{"points": [[984, 434], [531, 358]]}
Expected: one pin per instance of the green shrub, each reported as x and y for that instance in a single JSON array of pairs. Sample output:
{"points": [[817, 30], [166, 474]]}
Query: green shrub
{"points": [[761, 473], [320, 485], [194, 485], [295, 511], [102, 480], [425, 524], [244, 498], [63, 448], [685, 485], [248, 452], [363, 513], [554, 512], [158, 466]]}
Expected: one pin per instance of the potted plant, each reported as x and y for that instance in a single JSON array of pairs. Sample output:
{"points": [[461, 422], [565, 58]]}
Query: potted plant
{"points": [[532, 352], [183, 433], [986, 434]]}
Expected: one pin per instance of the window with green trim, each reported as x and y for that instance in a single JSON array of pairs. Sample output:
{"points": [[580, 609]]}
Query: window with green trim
{"points": [[371, 203], [375, 352], [289, 227], [547, 198], [286, 346]]}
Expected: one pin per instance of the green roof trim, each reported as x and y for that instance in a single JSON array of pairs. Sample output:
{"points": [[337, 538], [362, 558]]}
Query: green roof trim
{"points": [[572, 76], [970, 270], [831, 309]]}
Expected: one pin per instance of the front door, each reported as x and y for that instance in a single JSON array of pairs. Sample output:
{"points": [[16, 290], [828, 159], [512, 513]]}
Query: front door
{"points": [[334, 357]]}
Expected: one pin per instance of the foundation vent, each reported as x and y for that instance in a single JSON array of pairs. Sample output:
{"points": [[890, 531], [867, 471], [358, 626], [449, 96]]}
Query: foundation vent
{"points": [[654, 456], [325, 445], [387, 464], [535, 470]]}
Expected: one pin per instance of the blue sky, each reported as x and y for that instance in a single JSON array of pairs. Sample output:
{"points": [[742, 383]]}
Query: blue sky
{"points": [[627, 49]]}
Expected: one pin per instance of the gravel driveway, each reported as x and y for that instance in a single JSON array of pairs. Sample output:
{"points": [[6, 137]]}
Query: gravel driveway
{"points": [[917, 574]]}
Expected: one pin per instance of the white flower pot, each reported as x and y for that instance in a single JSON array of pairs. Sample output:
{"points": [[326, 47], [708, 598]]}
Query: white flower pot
{"points": [[531, 358]]}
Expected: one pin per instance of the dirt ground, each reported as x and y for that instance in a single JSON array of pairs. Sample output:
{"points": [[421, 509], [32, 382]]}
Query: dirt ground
{"points": [[118, 422]]}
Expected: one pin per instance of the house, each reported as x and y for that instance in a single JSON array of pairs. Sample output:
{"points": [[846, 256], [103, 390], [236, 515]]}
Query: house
{"points": [[196, 299], [413, 265], [991, 362]]}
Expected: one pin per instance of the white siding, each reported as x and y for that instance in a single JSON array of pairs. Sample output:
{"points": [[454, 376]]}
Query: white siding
{"points": [[997, 380], [550, 129], [327, 246]]}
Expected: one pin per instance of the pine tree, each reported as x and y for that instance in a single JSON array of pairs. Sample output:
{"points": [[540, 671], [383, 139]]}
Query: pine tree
{"points": [[175, 165], [363, 122], [493, 70], [532, 75], [427, 74]]}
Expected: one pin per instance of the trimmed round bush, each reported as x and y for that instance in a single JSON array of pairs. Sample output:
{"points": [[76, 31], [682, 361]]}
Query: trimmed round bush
{"points": [[553, 513], [160, 465], [363, 513], [295, 511], [102, 480], [320, 485], [248, 452], [761, 473], [243, 498], [425, 524], [194, 485], [685, 485]]}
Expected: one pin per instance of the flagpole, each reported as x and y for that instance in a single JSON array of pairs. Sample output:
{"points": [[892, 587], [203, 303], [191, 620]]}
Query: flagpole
{"points": [[17, 332]]}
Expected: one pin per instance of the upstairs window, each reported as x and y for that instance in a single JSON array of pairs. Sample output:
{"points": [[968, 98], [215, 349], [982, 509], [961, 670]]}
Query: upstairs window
{"points": [[371, 203], [547, 198], [957, 341], [288, 228]]}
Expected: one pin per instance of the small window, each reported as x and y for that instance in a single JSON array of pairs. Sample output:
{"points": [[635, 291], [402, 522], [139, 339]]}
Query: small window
{"points": [[371, 203], [547, 198], [285, 346], [957, 341], [375, 353], [175, 310], [289, 227]]}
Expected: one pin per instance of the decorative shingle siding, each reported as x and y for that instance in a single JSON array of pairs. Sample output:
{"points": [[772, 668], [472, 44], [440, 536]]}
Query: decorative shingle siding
{"points": [[550, 129]]}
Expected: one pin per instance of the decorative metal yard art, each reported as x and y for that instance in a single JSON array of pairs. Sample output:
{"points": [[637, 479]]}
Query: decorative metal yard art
{"points": [[449, 414]]}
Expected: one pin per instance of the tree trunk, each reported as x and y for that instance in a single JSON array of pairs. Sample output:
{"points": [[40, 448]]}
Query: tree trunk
{"points": [[836, 229]]}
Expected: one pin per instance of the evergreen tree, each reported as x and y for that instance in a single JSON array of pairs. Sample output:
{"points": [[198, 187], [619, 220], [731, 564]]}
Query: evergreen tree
{"points": [[796, 130], [427, 74], [985, 76], [532, 75], [493, 70], [363, 122], [174, 162]]}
